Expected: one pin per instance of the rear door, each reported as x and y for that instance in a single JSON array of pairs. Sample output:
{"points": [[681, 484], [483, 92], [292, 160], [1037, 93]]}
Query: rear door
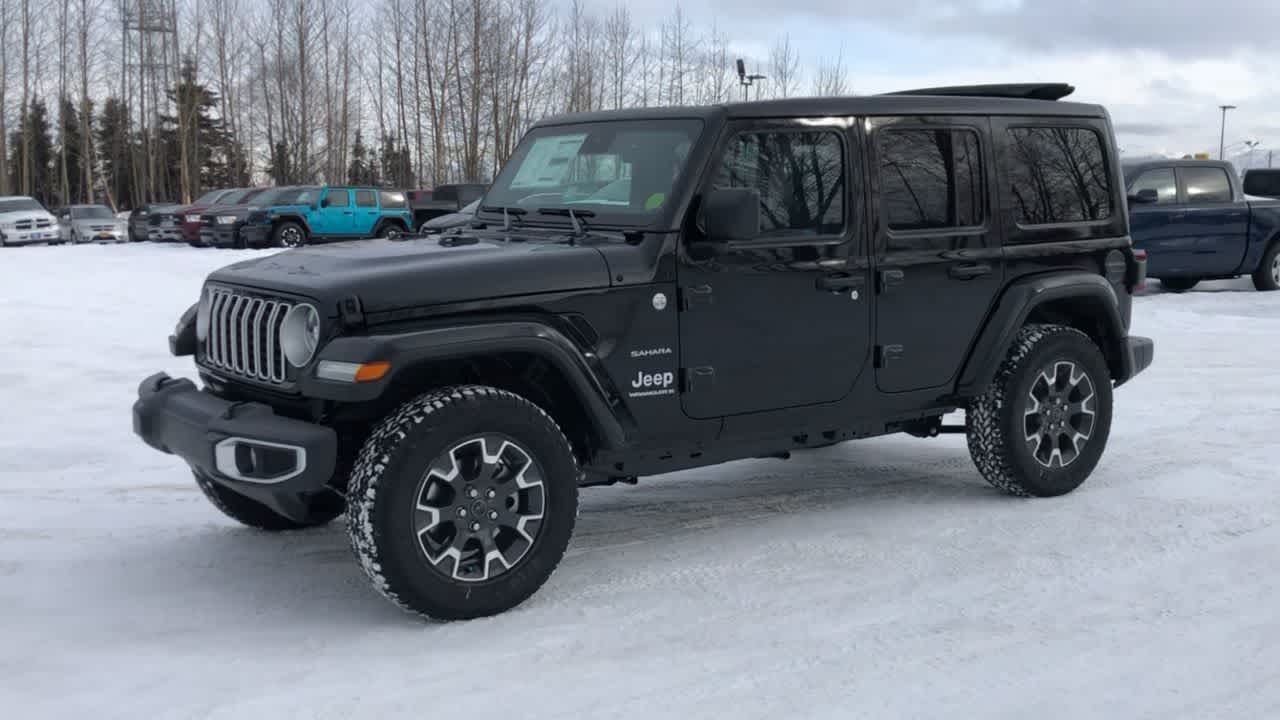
{"points": [[366, 213], [1217, 223], [938, 257]]}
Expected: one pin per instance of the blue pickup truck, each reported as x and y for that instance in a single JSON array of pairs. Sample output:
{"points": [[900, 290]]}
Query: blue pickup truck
{"points": [[1196, 223]]}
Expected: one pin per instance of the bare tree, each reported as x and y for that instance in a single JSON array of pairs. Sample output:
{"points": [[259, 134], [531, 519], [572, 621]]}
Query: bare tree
{"points": [[831, 77], [5, 17], [620, 44], [784, 68]]}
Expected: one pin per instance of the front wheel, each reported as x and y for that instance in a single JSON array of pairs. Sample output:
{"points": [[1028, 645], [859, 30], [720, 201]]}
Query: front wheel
{"points": [[462, 502], [1267, 277], [1040, 428], [289, 235]]}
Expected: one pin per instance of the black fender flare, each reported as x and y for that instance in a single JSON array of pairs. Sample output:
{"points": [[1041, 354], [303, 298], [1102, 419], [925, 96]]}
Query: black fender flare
{"points": [[1016, 304], [385, 221], [407, 350], [275, 221]]}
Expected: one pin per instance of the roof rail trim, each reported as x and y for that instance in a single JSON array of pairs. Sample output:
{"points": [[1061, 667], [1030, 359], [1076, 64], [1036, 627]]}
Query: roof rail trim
{"points": [[1028, 91]]}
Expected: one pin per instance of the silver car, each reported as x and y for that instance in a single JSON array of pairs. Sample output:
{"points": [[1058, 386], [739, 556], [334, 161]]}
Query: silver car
{"points": [[91, 223]]}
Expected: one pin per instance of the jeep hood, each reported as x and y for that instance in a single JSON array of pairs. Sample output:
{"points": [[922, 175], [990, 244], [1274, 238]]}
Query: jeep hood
{"points": [[416, 272]]}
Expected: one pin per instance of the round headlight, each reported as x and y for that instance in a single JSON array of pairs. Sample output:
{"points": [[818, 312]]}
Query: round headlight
{"points": [[202, 315], [300, 334]]}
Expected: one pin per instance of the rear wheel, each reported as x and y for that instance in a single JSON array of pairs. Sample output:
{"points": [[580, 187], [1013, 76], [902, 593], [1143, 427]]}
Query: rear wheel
{"points": [[289, 235], [390, 231], [256, 515], [1179, 284], [1267, 277], [462, 502], [1041, 426]]}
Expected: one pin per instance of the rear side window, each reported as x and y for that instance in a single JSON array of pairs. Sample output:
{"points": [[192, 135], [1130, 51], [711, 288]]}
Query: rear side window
{"points": [[393, 200], [930, 179], [800, 177], [366, 198], [1206, 184], [1057, 175], [1162, 181], [338, 198]]}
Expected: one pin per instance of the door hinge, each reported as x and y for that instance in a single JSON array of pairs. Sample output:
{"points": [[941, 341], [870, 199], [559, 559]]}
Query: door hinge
{"points": [[699, 378], [695, 295], [887, 353]]}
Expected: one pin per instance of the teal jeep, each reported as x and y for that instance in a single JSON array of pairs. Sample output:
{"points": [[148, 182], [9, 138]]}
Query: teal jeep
{"points": [[315, 214]]}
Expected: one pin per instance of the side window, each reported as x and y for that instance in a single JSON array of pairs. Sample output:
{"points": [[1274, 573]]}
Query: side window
{"points": [[366, 198], [931, 179], [800, 177], [338, 198], [1206, 184], [1162, 181], [1057, 175], [393, 200]]}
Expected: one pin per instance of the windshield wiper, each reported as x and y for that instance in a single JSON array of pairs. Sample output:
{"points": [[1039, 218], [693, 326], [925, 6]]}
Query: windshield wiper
{"points": [[573, 215], [507, 212]]}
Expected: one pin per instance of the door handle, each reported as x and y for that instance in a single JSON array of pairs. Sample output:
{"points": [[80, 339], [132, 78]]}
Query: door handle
{"points": [[839, 282], [969, 271]]}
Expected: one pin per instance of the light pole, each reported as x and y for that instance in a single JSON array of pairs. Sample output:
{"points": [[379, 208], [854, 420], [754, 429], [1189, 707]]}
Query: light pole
{"points": [[1252, 144], [1222, 139], [746, 80]]}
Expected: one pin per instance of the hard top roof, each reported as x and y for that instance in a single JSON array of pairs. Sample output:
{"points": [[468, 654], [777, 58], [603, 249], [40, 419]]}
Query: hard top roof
{"points": [[1024, 99]]}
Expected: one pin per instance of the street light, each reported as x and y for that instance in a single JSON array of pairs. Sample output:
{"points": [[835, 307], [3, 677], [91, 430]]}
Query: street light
{"points": [[1222, 139], [1252, 144]]}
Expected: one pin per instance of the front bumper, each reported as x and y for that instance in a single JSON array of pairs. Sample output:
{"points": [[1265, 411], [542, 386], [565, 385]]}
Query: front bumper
{"points": [[31, 237], [1137, 354], [165, 234], [191, 233], [244, 446], [227, 236], [114, 236], [256, 235]]}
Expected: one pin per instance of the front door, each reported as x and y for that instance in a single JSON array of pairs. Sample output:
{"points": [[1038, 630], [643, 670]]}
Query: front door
{"points": [[335, 216], [938, 257], [1218, 224], [784, 320]]}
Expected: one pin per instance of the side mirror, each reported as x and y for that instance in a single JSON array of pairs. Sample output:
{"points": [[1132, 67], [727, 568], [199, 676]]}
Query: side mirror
{"points": [[1145, 196], [324, 202], [731, 215]]}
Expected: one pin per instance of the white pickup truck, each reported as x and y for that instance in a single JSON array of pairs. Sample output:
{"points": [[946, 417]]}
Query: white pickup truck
{"points": [[23, 221]]}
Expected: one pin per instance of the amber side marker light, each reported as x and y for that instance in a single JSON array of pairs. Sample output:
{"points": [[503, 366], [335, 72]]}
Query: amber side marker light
{"points": [[352, 372]]}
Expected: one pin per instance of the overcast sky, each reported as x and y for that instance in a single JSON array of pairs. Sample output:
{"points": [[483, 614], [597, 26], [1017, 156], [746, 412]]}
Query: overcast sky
{"points": [[1161, 68]]}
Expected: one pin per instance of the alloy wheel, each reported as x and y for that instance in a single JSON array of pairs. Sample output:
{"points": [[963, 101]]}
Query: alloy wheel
{"points": [[1060, 412], [479, 508], [291, 237]]}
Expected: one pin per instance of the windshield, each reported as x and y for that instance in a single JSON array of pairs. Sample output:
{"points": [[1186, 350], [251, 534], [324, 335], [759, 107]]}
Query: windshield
{"points": [[234, 198], [290, 196], [622, 172], [8, 206], [208, 198], [97, 212]]}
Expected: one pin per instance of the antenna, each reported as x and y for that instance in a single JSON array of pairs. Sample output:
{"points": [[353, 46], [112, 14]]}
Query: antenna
{"points": [[745, 80]]}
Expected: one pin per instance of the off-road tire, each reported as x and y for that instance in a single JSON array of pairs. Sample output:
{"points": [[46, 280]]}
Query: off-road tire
{"points": [[996, 424], [284, 230], [254, 514], [1179, 284], [1267, 277], [388, 474], [390, 231]]}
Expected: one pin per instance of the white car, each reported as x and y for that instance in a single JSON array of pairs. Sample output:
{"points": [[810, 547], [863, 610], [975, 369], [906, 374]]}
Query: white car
{"points": [[23, 221]]}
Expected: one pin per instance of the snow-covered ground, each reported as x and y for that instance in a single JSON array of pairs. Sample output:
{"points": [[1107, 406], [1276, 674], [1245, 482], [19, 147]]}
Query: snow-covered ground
{"points": [[880, 579]]}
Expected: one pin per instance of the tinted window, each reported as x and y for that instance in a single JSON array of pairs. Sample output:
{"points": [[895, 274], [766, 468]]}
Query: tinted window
{"points": [[365, 198], [338, 198], [1206, 184], [1263, 183], [1162, 181], [1057, 175], [930, 179], [799, 175], [393, 199]]}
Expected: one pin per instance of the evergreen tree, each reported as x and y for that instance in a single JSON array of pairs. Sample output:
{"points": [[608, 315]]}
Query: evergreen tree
{"points": [[362, 170], [199, 142], [397, 163], [69, 119], [116, 151], [35, 119]]}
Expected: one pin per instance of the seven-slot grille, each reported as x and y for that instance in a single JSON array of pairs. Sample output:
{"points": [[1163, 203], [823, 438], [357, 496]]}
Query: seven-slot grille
{"points": [[244, 335]]}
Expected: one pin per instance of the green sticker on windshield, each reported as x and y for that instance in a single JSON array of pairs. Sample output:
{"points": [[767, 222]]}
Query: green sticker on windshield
{"points": [[654, 201]]}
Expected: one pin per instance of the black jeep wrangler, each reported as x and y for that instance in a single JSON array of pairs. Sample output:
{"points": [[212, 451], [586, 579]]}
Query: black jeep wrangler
{"points": [[650, 290]]}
